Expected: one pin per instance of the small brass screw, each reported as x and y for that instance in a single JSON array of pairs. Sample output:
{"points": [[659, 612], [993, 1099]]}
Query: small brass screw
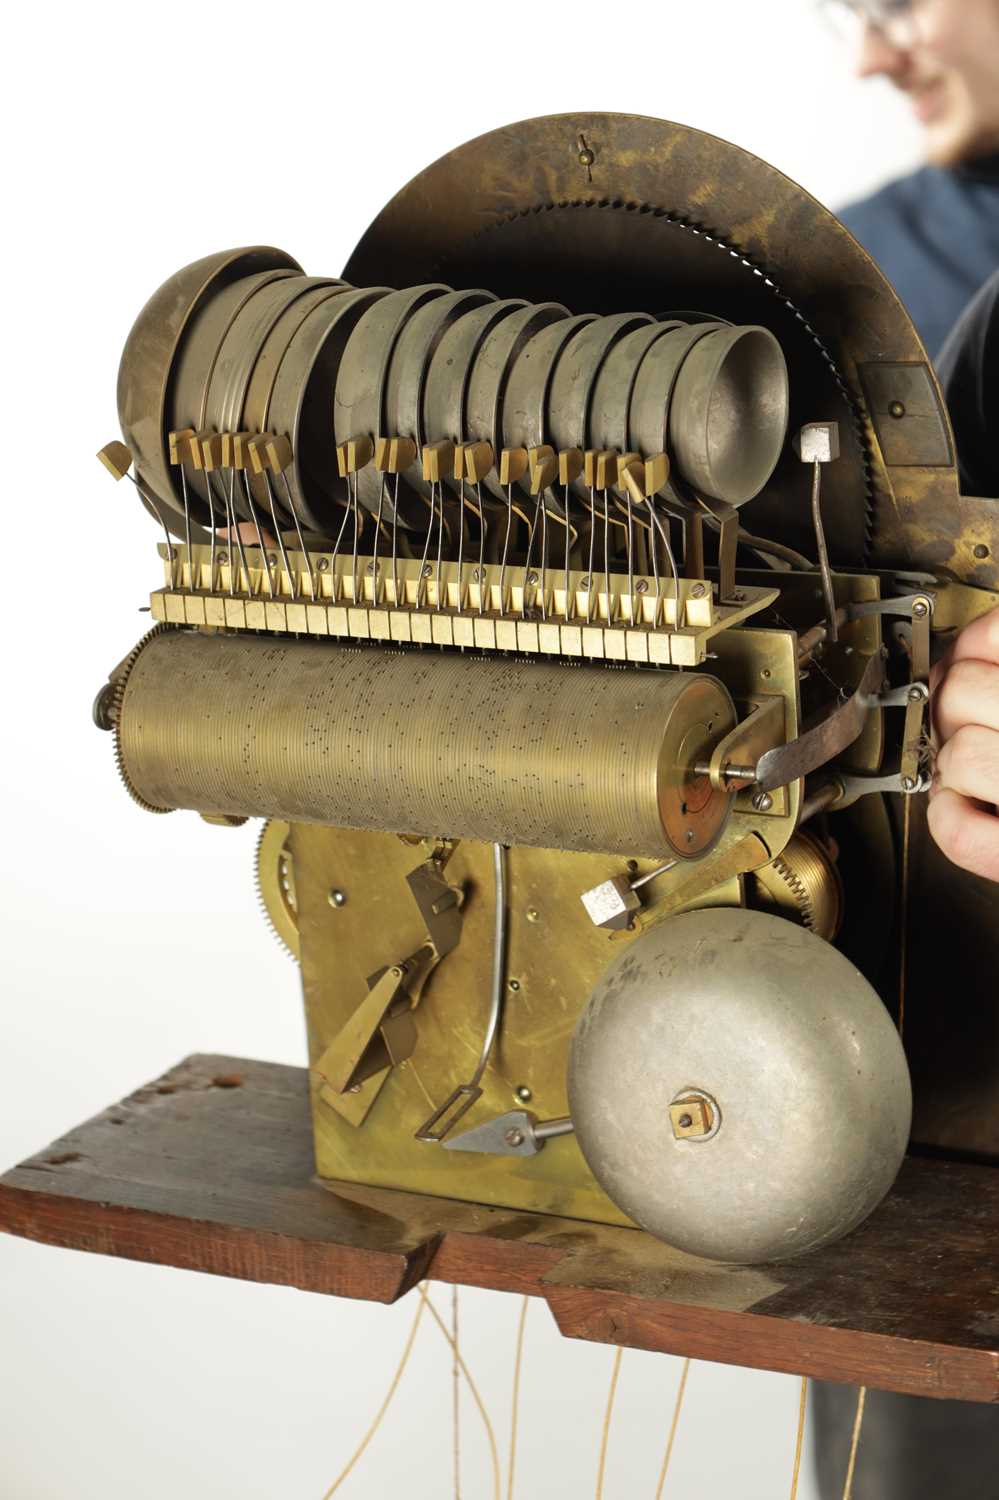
{"points": [[323, 565], [523, 1093], [532, 577], [763, 802], [427, 570], [584, 583], [223, 558], [981, 551], [896, 410], [514, 985], [642, 586], [697, 592], [532, 914], [337, 898]]}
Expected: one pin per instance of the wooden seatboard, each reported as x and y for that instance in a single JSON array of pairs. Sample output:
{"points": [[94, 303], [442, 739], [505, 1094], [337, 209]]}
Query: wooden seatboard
{"points": [[210, 1168]]}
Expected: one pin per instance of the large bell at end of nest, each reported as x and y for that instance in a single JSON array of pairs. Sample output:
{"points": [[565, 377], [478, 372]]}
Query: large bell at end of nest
{"points": [[738, 1087]]}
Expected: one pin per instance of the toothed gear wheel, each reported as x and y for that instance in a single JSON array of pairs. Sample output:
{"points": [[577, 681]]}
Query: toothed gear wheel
{"points": [[275, 874], [118, 685], [802, 883]]}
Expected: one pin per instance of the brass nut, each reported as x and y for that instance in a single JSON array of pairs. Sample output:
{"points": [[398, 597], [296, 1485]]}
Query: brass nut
{"points": [[691, 1117]]}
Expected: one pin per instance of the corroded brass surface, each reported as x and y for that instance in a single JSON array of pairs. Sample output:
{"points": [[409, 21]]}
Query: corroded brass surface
{"points": [[148, 359], [555, 955], [651, 224], [523, 752]]}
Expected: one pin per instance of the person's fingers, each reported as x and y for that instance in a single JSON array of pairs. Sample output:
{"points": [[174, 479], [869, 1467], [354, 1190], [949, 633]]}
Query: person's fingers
{"points": [[980, 639], [965, 833], [969, 764], [246, 532], [967, 694]]}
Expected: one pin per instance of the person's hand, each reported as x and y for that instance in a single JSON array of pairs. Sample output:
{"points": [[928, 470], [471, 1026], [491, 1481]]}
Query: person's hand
{"points": [[965, 792]]}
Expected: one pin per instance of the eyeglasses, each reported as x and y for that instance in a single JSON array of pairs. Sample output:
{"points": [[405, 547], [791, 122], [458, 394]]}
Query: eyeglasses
{"points": [[895, 19]]}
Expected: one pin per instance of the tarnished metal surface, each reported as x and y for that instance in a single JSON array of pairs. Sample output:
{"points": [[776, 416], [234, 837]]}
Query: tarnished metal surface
{"points": [[148, 359], [651, 223], [527, 753], [800, 1056]]}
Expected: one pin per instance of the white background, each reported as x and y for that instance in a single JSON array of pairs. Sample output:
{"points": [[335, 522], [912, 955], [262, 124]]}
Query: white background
{"points": [[138, 138]]}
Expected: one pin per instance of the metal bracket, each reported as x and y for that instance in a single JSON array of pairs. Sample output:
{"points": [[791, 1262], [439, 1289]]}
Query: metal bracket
{"points": [[851, 788], [517, 1133], [915, 606], [827, 739], [902, 697], [381, 1032]]}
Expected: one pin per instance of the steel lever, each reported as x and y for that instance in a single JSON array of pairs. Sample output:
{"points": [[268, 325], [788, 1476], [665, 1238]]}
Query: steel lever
{"points": [[517, 1133]]}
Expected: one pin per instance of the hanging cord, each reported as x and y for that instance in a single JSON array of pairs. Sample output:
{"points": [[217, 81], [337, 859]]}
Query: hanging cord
{"points": [[798, 1440], [672, 1428], [518, 1358], [473, 1388], [855, 1441], [608, 1413], [455, 1396], [400, 1367]]}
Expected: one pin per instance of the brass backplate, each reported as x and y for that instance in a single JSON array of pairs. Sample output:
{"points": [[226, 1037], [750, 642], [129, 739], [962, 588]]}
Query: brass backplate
{"points": [[555, 956]]}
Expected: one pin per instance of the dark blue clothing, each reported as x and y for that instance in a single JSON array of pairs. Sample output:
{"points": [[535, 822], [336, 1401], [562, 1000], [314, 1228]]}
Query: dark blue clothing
{"points": [[935, 234], [968, 368]]}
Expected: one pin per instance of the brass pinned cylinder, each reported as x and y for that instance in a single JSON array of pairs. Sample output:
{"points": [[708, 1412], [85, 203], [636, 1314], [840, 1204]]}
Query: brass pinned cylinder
{"points": [[579, 758]]}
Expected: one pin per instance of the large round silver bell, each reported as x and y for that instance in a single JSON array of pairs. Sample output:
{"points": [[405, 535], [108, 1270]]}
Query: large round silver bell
{"points": [[738, 1088]]}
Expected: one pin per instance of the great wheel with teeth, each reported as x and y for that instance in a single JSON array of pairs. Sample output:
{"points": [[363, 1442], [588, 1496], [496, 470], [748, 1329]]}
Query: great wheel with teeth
{"points": [[275, 870]]}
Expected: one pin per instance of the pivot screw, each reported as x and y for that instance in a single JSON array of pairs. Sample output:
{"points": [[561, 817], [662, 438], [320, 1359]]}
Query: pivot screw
{"points": [[909, 783], [762, 802], [921, 608], [514, 1137], [337, 898], [916, 695]]}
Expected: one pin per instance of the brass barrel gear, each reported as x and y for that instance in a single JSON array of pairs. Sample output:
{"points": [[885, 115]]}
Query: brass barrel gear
{"points": [[275, 878], [802, 883], [118, 682]]}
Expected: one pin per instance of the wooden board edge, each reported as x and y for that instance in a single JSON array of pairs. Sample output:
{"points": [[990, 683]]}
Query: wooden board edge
{"points": [[217, 1249]]}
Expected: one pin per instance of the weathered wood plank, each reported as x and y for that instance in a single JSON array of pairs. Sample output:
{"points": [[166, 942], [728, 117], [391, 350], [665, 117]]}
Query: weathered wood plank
{"points": [[210, 1168]]}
